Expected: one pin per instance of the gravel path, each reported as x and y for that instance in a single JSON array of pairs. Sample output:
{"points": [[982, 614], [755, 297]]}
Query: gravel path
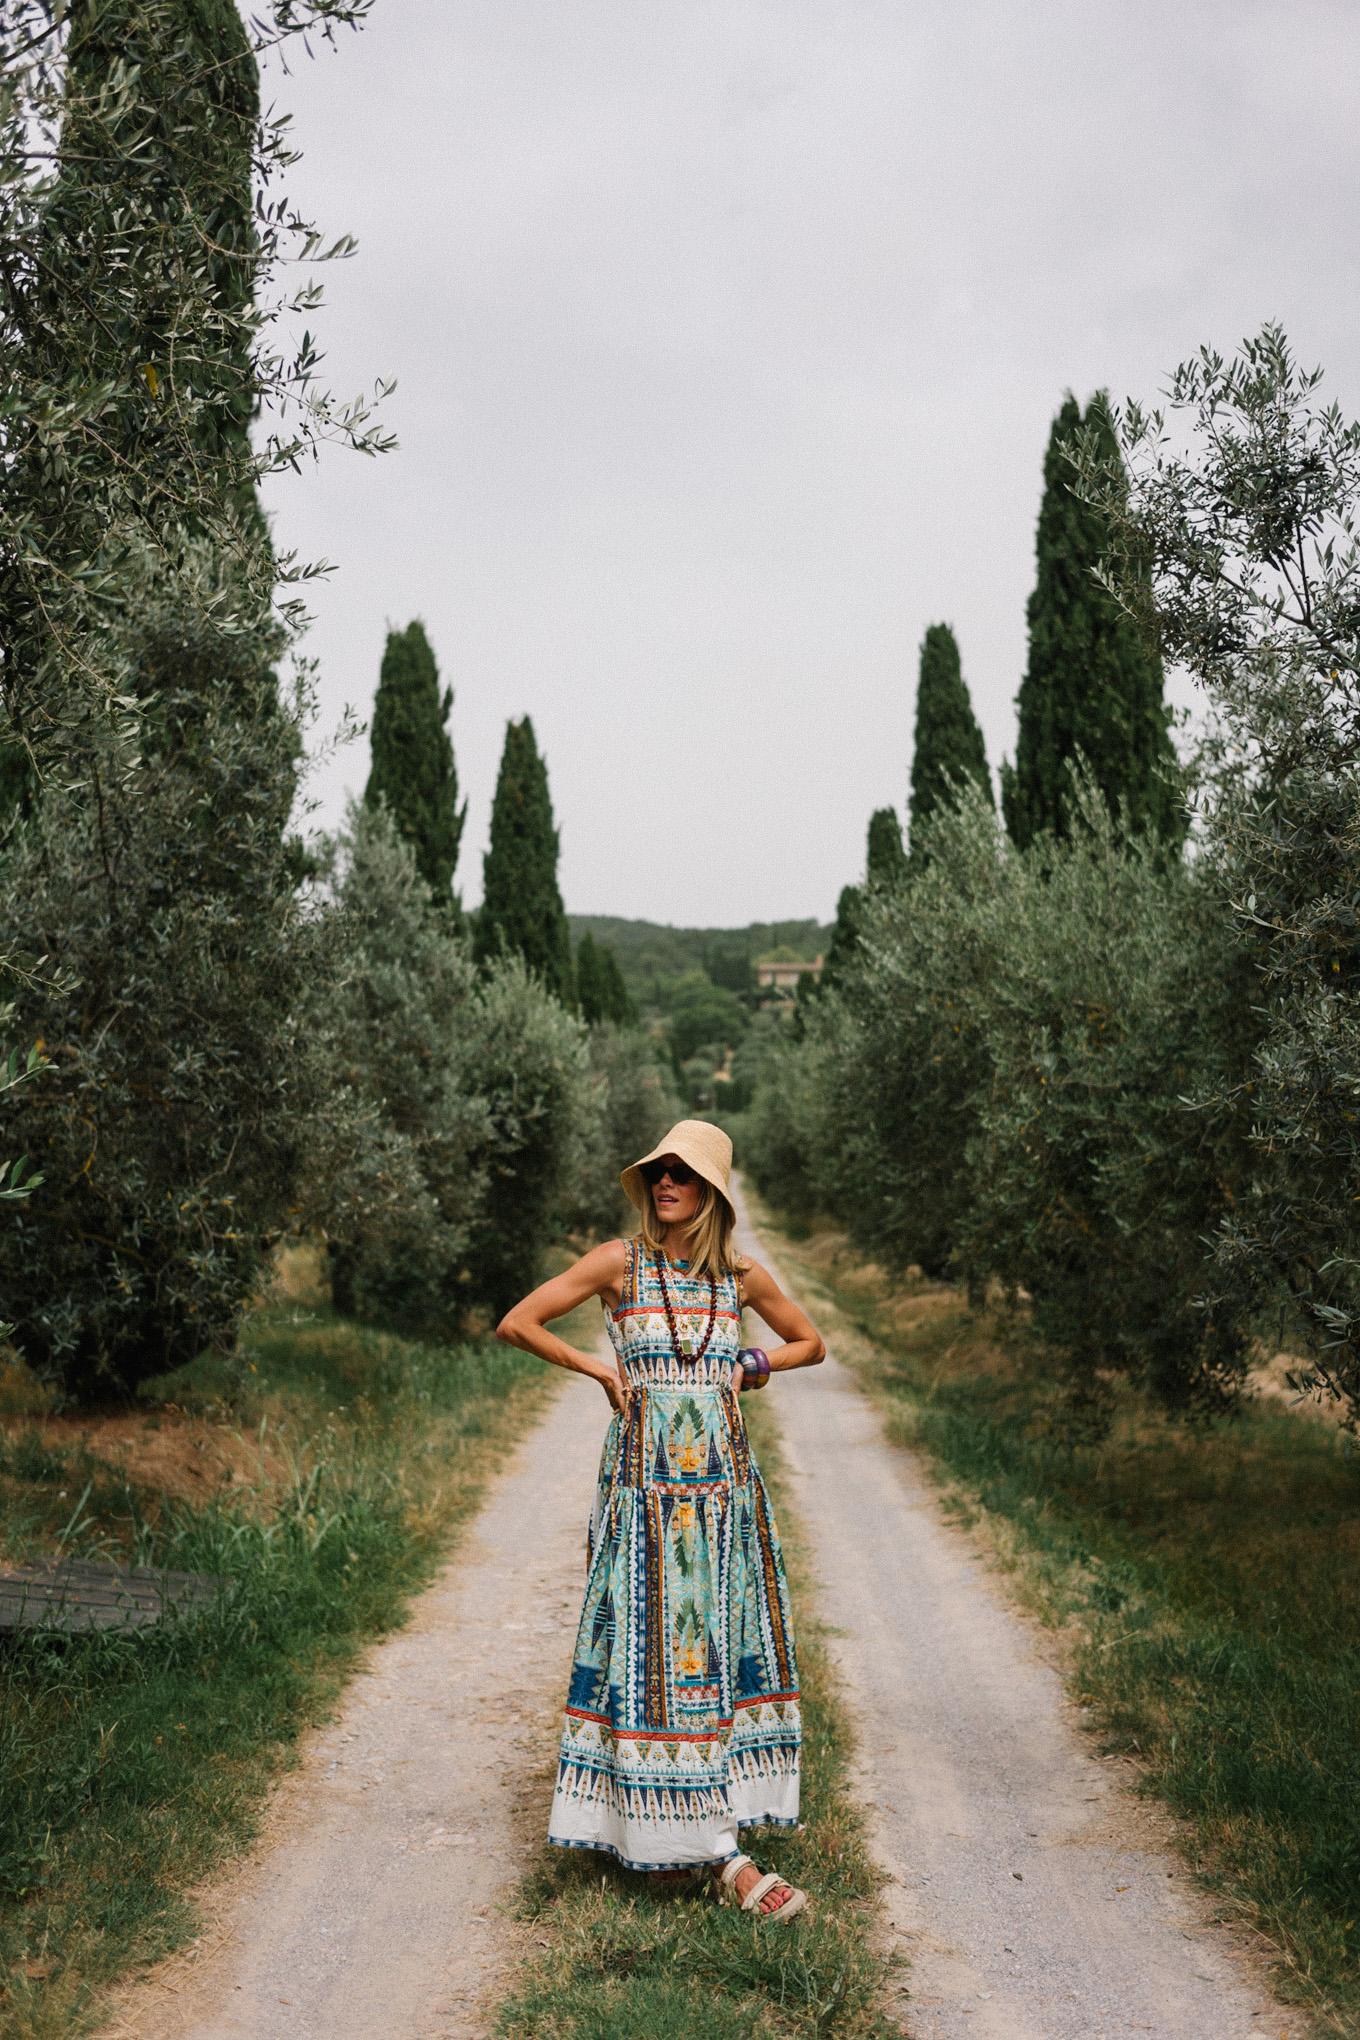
{"points": [[373, 1908], [1036, 1898]]}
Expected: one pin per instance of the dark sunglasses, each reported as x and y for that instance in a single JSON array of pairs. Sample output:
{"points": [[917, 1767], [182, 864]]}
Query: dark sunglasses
{"points": [[680, 1173]]}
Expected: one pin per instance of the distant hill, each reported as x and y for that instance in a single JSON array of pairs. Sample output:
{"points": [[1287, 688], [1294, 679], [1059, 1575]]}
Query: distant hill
{"points": [[651, 956]]}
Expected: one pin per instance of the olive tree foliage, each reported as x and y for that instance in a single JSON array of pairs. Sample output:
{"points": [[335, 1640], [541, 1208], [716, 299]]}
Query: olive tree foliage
{"points": [[183, 1085], [479, 1119], [999, 1089], [474, 1094], [18, 1178], [1116, 992], [408, 1172], [22, 1179], [1124, 1082], [140, 294], [149, 909], [1238, 547], [637, 1101]]}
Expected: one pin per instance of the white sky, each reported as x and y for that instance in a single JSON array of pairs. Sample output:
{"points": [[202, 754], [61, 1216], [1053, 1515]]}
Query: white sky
{"points": [[728, 334]]}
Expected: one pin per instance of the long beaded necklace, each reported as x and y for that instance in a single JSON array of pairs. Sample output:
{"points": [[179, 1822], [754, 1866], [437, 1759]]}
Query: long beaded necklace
{"points": [[684, 1349]]}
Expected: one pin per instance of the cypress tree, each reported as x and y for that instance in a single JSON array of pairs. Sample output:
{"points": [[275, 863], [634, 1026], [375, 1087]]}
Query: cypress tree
{"points": [[413, 768], [948, 743], [1093, 684], [885, 862], [521, 905], [885, 865], [622, 1007], [600, 990], [840, 953], [589, 988]]}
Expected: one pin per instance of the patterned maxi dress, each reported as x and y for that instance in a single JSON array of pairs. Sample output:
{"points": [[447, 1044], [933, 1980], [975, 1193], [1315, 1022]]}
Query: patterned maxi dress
{"points": [[682, 1720]]}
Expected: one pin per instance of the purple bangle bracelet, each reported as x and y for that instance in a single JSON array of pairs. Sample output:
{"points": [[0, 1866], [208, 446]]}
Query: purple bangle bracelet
{"points": [[754, 1363]]}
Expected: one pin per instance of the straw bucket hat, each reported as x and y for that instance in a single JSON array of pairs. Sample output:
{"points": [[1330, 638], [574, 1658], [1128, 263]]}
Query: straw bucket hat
{"points": [[707, 1150]]}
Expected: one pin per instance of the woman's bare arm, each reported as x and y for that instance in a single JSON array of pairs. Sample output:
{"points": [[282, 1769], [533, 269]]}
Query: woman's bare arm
{"points": [[598, 1273], [802, 1345]]}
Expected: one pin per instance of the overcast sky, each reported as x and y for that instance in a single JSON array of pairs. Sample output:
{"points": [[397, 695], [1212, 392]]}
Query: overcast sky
{"points": [[728, 337]]}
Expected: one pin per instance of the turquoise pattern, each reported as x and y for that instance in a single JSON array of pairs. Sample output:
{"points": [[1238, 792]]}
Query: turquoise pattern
{"points": [[682, 1721]]}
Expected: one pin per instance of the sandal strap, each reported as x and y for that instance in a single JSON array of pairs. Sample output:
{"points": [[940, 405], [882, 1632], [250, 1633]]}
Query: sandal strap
{"points": [[732, 1870], [751, 1902]]}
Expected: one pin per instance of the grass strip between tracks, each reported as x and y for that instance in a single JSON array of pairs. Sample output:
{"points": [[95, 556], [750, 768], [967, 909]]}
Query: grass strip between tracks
{"points": [[622, 1959], [131, 1766], [1204, 1579]]}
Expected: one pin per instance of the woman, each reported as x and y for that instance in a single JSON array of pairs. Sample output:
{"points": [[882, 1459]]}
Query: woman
{"points": [[682, 1719]]}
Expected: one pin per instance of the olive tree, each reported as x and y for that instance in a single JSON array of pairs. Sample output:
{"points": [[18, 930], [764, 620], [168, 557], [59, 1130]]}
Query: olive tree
{"points": [[1238, 549], [175, 1116]]}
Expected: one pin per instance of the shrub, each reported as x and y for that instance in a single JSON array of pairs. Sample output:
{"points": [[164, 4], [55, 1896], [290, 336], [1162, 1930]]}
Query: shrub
{"points": [[407, 1177], [784, 1137]]}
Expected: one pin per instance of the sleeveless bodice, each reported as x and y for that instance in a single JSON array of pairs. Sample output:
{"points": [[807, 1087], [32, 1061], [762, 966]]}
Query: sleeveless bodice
{"points": [[683, 1429], [640, 1334]]}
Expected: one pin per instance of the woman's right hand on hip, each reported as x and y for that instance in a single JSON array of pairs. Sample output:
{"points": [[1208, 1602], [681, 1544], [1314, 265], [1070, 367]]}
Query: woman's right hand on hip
{"points": [[615, 1387]]}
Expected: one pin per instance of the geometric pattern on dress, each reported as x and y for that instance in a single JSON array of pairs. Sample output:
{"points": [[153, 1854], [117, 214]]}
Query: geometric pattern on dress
{"points": [[682, 1720]]}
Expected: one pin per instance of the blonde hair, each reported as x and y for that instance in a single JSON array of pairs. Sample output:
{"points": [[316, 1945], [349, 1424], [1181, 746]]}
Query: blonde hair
{"points": [[708, 1236]]}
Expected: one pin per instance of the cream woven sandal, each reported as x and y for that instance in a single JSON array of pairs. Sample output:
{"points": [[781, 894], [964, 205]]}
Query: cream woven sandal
{"points": [[727, 1878]]}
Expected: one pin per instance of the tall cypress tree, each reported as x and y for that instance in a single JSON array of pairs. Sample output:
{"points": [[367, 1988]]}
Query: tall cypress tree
{"points": [[620, 1005], [521, 905], [948, 743], [884, 860], [840, 955], [885, 864], [413, 768], [600, 989], [1093, 684]]}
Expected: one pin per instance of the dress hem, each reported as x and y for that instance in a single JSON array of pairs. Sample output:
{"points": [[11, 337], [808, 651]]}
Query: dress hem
{"points": [[608, 1849]]}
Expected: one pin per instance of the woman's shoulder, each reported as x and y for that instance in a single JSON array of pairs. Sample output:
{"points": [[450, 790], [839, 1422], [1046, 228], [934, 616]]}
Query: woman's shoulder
{"points": [[607, 1263], [736, 1272], [616, 1254]]}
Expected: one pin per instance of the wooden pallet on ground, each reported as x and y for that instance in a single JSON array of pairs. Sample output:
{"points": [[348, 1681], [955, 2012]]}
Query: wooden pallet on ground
{"points": [[73, 1595]]}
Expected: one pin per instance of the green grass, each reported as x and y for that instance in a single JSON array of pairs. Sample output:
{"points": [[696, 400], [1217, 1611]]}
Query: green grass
{"points": [[1207, 1580], [131, 1766], [623, 1961]]}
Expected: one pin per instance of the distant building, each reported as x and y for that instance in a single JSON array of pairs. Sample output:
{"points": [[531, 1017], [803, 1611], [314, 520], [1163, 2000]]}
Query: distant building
{"points": [[782, 968]]}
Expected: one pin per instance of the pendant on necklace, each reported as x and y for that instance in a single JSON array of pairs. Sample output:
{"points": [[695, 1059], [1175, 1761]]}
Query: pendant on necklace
{"points": [[687, 1346]]}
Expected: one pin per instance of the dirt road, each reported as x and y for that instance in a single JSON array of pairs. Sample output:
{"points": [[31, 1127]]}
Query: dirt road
{"points": [[371, 1910], [1036, 1899]]}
